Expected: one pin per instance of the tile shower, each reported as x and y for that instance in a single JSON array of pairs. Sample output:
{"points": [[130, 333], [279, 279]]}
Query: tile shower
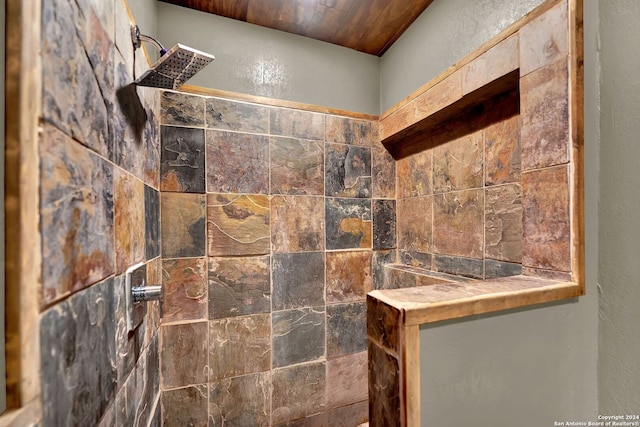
{"points": [[275, 224]]}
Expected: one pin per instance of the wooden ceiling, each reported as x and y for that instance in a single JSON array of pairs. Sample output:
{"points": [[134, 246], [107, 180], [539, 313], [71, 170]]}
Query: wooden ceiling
{"points": [[370, 26]]}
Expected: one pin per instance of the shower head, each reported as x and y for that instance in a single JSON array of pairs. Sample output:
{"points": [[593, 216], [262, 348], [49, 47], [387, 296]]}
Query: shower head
{"points": [[175, 66]]}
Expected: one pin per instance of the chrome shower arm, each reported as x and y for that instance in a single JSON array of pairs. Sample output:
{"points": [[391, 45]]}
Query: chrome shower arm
{"points": [[138, 38]]}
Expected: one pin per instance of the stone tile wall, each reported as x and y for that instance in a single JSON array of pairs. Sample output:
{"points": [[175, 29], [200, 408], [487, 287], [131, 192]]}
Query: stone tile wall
{"points": [[275, 224], [99, 209]]}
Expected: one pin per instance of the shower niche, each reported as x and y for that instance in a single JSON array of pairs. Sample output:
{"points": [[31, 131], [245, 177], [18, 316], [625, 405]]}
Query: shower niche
{"points": [[490, 214]]}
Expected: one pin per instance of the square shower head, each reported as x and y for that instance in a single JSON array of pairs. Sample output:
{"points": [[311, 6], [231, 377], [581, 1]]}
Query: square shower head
{"points": [[174, 68]]}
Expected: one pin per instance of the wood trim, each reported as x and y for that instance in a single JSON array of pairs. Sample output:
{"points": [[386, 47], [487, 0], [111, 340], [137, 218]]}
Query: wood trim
{"points": [[199, 90], [410, 378], [576, 117], [503, 35], [22, 172]]}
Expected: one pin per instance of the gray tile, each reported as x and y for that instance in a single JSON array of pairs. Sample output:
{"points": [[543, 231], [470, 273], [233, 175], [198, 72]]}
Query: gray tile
{"points": [[298, 336], [298, 280]]}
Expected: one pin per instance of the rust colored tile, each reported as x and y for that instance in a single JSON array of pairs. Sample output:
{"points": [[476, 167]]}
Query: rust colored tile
{"points": [[384, 388], [129, 220], [502, 152], [182, 225], [298, 391], [184, 354], [383, 174], [397, 121], [76, 202], [503, 223], [544, 98], [297, 124], [225, 114], [546, 220], [457, 165], [185, 406], [184, 282], [239, 286], [347, 380], [237, 163], [458, 219], [237, 225], [183, 109], [544, 40], [348, 276], [297, 223], [344, 130], [561, 276], [297, 166], [415, 224], [241, 401], [349, 416], [494, 63], [382, 323], [239, 346], [439, 96], [415, 175]]}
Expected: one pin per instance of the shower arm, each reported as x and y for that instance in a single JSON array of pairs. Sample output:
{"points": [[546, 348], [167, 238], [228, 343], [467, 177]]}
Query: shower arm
{"points": [[138, 38]]}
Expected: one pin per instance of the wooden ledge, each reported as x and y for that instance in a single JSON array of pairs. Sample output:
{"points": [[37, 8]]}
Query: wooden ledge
{"points": [[452, 300]]}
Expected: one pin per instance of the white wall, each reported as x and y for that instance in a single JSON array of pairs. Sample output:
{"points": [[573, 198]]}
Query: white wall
{"points": [[619, 266], [258, 61], [528, 367]]}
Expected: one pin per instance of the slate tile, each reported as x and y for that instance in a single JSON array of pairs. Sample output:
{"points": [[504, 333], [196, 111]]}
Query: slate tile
{"points": [[76, 200], [298, 280], [415, 224], [298, 391], [348, 171], [346, 130], [185, 350], [348, 276], [546, 220], [298, 336], [544, 108], [182, 109], [77, 343], [383, 173], [182, 167], [356, 414], [347, 380], [457, 165], [184, 282], [416, 259], [346, 328], [239, 346], [186, 406], [182, 225], [151, 139], [459, 266], [348, 223], [502, 152], [384, 224], [226, 114], [297, 166], [503, 223], [544, 40], [379, 260], [238, 224], [297, 223], [129, 219], [494, 269], [382, 323], [66, 70], [151, 222], [494, 63], [239, 286], [384, 388], [241, 401], [415, 175], [297, 124], [459, 223], [237, 163]]}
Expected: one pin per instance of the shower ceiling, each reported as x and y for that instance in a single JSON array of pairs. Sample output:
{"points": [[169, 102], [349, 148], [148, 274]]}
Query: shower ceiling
{"points": [[370, 26]]}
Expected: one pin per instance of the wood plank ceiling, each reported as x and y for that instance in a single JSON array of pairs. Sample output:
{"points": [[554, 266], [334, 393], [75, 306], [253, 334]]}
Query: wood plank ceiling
{"points": [[370, 26]]}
